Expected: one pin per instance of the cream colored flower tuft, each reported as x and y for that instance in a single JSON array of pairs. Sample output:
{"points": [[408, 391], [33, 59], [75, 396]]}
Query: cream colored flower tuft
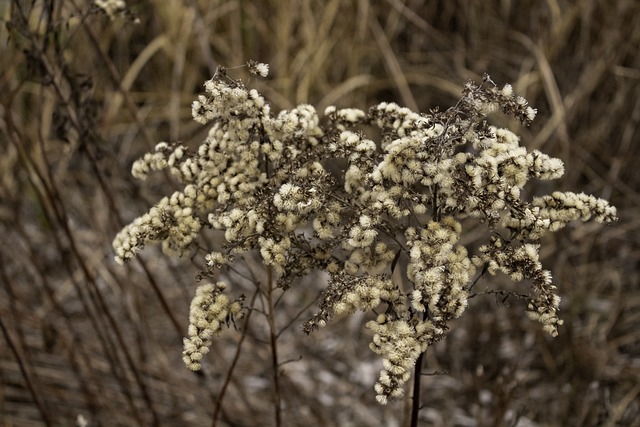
{"points": [[111, 7], [258, 68], [210, 309]]}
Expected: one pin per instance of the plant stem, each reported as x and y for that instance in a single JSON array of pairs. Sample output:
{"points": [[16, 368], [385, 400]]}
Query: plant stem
{"points": [[26, 374], [417, 376], [273, 337], [234, 362]]}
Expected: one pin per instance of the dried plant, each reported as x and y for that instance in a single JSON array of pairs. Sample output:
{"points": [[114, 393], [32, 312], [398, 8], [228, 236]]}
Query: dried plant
{"points": [[377, 199]]}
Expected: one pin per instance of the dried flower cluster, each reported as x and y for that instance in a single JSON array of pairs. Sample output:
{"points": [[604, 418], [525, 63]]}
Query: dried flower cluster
{"points": [[210, 309], [315, 193], [116, 9], [111, 7]]}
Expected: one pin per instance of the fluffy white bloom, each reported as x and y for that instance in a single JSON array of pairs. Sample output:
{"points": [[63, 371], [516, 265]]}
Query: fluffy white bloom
{"points": [[262, 69], [111, 7], [209, 309]]}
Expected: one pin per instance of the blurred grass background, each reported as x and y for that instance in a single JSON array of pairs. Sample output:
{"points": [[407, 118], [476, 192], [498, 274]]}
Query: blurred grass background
{"points": [[82, 96]]}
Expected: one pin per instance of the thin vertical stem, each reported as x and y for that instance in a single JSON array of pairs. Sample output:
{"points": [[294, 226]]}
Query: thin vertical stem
{"points": [[234, 362], [417, 376], [22, 364], [273, 337]]}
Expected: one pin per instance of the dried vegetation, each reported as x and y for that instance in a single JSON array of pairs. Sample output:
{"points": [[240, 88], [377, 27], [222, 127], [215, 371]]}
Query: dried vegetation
{"points": [[83, 95]]}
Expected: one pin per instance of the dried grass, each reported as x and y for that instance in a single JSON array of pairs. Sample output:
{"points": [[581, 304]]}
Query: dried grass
{"points": [[82, 97]]}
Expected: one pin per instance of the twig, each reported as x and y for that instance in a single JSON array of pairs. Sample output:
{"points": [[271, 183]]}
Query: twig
{"points": [[273, 338], [234, 362], [415, 400], [25, 374]]}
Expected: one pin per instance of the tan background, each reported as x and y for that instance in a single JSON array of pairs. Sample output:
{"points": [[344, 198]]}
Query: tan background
{"points": [[83, 96]]}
